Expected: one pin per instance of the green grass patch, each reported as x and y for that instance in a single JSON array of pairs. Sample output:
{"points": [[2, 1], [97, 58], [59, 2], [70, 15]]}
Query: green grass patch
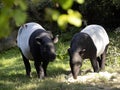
{"points": [[12, 71]]}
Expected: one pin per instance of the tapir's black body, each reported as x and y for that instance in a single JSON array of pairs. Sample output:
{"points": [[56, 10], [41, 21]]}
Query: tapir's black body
{"points": [[83, 47], [42, 51]]}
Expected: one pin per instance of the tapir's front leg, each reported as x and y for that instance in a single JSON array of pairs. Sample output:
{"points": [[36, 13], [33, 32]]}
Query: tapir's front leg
{"points": [[45, 64], [39, 69]]}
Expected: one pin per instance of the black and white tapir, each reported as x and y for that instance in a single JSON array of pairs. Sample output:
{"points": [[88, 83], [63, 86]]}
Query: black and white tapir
{"points": [[92, 43], [35, 43]]}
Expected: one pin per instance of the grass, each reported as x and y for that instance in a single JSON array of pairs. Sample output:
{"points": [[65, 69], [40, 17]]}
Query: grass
{"points": [[12, 72]]}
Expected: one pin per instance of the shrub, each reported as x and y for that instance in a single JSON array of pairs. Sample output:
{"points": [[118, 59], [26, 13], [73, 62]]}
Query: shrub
{"points": [[103, 12]]}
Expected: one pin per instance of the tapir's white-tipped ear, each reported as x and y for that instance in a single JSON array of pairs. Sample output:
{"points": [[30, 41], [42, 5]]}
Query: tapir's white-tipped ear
{"points": [[55, 39], [84, 50]]}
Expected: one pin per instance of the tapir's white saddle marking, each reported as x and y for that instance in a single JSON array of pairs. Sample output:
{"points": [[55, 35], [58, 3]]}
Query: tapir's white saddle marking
{"points": [[23, 37], [99, 37]]}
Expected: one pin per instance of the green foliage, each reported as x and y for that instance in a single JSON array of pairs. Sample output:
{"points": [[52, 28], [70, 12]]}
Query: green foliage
{"points": [[103, 12], [72, 16], [11, 11], [114, 50], [80, 1], [117, 3], [65, 4]]}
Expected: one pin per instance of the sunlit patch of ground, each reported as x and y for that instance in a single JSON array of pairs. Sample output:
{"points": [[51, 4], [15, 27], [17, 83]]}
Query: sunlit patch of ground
{"points": [[104, 80], [93, 77]]}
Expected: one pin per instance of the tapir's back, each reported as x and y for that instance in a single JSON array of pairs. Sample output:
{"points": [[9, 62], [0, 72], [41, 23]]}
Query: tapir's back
{"points": [[99, 37]]}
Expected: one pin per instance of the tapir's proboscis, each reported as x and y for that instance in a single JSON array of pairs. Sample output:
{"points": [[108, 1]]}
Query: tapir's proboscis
{"points": [[91, 43], [35, 43]]}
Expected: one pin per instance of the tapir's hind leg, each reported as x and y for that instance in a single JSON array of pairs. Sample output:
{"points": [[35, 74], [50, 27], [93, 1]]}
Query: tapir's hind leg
{"points": [[27, 65], [99, 61], [94, 64], [103, 59]]}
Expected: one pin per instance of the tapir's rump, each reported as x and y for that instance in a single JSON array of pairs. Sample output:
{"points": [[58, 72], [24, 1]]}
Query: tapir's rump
{"points": [[24, 34], [99, 37]]}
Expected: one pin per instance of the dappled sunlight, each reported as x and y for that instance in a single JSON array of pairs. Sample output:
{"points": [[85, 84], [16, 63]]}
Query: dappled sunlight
{"points": [[12, 72], [5, 85], [7, 62], [93, 77], [113, 52], [28, 86]]}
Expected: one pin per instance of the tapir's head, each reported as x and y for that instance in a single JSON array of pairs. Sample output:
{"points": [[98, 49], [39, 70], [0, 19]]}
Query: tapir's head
{"points": [[77, 53], [75, 62], [47, 48]]}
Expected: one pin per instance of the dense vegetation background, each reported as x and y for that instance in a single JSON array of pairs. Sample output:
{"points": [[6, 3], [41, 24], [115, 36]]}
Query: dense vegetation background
{"points": [[14, 13], [49, 13], [59, 16]]}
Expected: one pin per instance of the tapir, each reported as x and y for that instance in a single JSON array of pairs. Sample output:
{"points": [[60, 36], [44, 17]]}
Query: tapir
{"points": [[90, 43], [35, 43]]}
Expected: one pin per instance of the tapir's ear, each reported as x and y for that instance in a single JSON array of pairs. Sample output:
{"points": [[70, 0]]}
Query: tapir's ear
{"points": [[55, 39], [82, 52], [38, 40]]}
